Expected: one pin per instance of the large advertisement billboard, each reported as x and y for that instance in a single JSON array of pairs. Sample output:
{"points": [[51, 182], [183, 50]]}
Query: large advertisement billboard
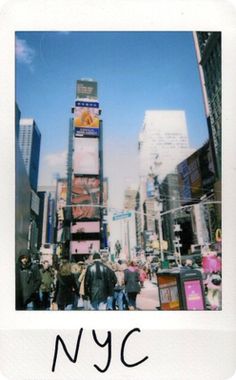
{"points": [[86, 156], [85, 197], [60, 204], [84, 246], [86, 89], [196, 174], [85, 227], [86, 119]]}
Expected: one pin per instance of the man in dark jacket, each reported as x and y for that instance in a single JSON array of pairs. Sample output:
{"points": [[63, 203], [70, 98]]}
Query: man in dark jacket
{"points": [[97, 283], [28, 281]]}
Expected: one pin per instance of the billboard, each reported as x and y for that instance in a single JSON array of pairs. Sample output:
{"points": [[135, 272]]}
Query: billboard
{"points": [[86, 89], [86, 119], [86, 156], [85, 227], [84, 246], [206, 167], [61, 193], [193, 294], [85, 194], [60, 204]]}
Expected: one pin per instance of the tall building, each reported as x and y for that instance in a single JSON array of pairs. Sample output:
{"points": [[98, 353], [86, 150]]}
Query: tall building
{"points": [[208, 50], [164, 135], [29, 143], [80, 225], [163, 143], [22, 194]]}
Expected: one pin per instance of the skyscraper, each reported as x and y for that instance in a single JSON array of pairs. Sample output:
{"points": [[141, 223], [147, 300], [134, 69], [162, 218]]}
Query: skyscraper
{"points": [[29, 143], [208, 50], [164, 135]]}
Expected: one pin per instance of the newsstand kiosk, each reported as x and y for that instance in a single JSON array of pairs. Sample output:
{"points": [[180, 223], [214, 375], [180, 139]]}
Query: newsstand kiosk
{"points": [[181, 289]]}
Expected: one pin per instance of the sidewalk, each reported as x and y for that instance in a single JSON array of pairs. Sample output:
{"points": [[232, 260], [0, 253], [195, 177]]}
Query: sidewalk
{"points": [[148, 299]]}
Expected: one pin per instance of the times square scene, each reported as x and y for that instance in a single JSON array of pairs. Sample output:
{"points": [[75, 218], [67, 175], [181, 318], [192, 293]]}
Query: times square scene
{"points": [[118, 171]]}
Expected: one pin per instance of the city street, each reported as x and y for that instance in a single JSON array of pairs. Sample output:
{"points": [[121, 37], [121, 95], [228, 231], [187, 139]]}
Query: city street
{"points": [[148, 299]]}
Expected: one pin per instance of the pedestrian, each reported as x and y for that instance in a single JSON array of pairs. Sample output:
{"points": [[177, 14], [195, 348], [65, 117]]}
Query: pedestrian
{"points": [[97, 286], [112, 280], [28, 281], [83, 296], [132, 284], [65, 287], [76, 270], [119, 287], [142, 276], [46, 286]]}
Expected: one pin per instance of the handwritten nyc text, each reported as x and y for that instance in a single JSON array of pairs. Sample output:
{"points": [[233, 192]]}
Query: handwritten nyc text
{"points": [[107, 342]]}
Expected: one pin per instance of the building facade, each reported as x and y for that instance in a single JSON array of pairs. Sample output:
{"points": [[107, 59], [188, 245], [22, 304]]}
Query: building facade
{"points": [[29, 143], [208, 50]]}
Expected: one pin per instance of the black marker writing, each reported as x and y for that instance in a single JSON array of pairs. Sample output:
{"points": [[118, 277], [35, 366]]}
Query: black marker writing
{"points": [[59, 339], [123, 348], [107, 341]]}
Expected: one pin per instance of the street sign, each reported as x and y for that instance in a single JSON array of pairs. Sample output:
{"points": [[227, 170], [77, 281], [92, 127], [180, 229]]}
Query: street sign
{"points": [[121, 215]]}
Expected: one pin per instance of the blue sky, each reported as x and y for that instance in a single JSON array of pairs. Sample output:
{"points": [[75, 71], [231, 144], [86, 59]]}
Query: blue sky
{"points": [[135, 71]]}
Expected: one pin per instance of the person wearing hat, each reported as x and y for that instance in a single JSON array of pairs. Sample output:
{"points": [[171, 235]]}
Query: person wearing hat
{"points": [[28, 281], [97, 283]]}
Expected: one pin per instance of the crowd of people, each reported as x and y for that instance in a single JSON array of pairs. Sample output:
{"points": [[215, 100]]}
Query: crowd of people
{"points": [[94, 284]]}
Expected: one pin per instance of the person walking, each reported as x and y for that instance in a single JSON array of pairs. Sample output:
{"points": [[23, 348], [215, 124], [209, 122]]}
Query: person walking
{"points": [[46, 286], [119, 291], [132, 284], [65, 287], [97, 283], [28, 281]]}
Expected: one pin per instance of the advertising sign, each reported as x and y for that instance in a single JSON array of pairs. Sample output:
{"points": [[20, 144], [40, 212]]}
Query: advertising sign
{"points": [[61, 193], [85, 227], [193, 295], [84, 246], [86, 119], [86, 195], [169, 296], [86, 89], [206, 166], [86, 156]]}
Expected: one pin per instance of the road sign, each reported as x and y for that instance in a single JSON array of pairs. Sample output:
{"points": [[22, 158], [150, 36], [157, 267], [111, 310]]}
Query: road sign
{"points": [[121, 215]]}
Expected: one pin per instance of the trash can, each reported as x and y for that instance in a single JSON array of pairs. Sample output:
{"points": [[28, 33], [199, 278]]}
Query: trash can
{"points": [[181, 289]]}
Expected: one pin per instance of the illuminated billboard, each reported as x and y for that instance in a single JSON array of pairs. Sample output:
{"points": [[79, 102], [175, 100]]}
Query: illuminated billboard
{"points": [[60, 204], [85, 197], [85, 227], [86, 89], [84, 246], [61, 193], [86, 156], [86, 119]]}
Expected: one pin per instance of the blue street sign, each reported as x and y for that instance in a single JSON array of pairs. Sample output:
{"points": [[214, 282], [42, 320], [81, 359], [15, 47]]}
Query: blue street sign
{"points": [[121, 215]]}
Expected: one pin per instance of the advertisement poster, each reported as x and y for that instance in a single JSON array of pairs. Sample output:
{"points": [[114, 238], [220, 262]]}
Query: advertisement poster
{"points": [[193, 294], [86, 198], [86, 156], [84, 246], [85, 227], [86, 116], [169, 295]]}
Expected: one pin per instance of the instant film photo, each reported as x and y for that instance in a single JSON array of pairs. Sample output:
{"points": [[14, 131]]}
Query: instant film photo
{"points": [[118, 198]]}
